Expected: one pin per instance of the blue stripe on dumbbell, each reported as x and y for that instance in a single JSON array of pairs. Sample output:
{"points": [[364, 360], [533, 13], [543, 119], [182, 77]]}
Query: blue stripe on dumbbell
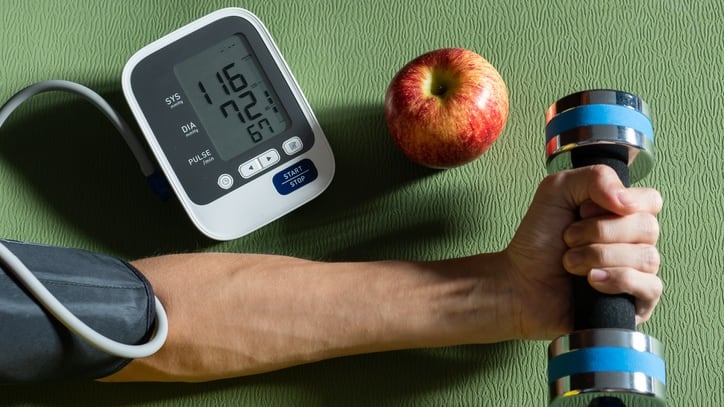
{"points": [[606, 359], [600, 114]]}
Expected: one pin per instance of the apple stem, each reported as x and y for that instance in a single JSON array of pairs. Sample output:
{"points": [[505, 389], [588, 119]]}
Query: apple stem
{"points": [[439, 89]]}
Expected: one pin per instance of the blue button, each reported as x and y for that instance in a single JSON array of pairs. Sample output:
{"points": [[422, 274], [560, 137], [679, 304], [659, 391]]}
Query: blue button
{"points": [[295, 176]]}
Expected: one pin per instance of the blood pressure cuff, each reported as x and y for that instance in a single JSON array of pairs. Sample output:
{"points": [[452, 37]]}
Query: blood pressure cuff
{"points": [[106, 293]]}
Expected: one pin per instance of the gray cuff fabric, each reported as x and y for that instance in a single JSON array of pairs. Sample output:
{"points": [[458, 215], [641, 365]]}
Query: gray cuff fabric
{"points": [[107, 293]]}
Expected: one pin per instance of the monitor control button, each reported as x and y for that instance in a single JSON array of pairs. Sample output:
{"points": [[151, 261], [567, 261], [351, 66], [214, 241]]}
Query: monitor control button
{"points": [[250, 168], [225, 181], [269, 158], [293, 145]]}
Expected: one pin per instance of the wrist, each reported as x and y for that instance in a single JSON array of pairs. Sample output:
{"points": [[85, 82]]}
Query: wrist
{"points": [[473, 301]]}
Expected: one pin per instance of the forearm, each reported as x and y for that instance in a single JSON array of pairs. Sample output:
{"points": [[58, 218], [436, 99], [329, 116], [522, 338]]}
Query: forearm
{"points": [[233, 315]]}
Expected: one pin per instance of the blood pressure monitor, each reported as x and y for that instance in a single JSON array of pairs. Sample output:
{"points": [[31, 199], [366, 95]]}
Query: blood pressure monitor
{"points": [[228, 123]]}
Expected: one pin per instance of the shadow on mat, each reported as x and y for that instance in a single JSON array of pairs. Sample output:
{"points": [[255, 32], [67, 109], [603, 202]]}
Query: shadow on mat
{"points": [[75, 160], [445, 375]]}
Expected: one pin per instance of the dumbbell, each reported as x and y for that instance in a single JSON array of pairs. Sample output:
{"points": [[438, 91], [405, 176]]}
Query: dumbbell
{"points": [[605, 362]]}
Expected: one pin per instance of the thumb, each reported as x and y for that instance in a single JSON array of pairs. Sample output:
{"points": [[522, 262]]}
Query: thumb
{"points": [[599, 184], [558, 200]]}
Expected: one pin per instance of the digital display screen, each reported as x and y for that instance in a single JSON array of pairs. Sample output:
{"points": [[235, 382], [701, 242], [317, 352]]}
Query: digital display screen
{"points": [[232, 97]]}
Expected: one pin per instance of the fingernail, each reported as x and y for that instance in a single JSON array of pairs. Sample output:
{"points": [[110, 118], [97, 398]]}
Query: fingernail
{"points": [[598, 275]]}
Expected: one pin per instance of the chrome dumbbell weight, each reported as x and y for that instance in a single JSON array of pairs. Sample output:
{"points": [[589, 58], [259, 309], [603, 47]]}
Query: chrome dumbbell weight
{"points": [[605, 362]]}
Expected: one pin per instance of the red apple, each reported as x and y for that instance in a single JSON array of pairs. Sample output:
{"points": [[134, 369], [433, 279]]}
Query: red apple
{"points": [[446, 108]]}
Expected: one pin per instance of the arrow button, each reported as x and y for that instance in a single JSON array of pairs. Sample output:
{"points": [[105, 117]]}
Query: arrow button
{"points": [[269, 158], [250, 168]]}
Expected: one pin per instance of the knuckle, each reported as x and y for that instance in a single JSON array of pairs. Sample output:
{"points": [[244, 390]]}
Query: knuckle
{"points": [[651, 259], [651, 228], [551, 181], [551, 184], [603, 232], [598, 257], [658, 201], [657, 288], [624, 280], [599, 170]]}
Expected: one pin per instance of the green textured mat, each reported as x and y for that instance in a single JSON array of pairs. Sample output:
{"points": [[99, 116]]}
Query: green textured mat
{"points": [[67, 179]]}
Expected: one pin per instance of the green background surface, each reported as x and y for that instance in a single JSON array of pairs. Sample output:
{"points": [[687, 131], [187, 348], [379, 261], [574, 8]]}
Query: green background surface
{"points": [[66, 178]]}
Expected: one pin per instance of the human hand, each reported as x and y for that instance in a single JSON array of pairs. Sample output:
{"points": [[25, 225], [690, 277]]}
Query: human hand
{"points": [[583, 222]]}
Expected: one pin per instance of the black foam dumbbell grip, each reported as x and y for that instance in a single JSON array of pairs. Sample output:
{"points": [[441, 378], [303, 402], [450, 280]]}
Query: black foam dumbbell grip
{"points": [[594, 309]]}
